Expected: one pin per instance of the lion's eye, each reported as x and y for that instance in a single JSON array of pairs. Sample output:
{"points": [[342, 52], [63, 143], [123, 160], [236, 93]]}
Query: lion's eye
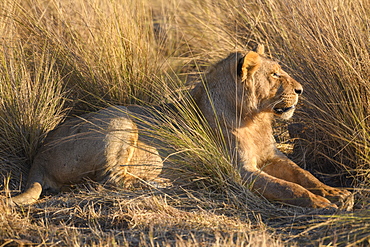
{"points": [[275, 75]]}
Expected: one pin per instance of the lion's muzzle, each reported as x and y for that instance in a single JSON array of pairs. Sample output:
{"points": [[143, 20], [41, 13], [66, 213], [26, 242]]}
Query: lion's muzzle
{"points": [[280, 111]]}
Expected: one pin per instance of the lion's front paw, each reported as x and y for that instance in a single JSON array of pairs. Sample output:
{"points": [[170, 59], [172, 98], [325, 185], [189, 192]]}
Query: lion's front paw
{"points": [[342, 198], [321, 202]]}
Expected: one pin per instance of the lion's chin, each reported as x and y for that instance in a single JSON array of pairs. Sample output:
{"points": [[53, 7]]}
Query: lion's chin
{"points": [[284, 113]]}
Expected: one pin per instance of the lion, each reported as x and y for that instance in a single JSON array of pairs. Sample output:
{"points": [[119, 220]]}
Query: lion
{"points": [[240, 96]]}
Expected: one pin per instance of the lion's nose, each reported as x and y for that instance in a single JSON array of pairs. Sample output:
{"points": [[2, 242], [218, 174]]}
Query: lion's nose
{"points": [[298, 91]]}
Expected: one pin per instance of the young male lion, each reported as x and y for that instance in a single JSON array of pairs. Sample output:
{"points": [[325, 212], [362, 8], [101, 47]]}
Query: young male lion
{"points": [[241, 94]]}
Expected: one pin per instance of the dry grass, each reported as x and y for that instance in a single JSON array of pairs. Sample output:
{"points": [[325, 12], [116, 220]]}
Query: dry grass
{"points": [[64, 57], [140, 217]]}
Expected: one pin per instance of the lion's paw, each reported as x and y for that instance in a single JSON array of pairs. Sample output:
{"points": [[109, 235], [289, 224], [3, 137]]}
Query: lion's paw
{"points": [[342, 198], [321, 202]]}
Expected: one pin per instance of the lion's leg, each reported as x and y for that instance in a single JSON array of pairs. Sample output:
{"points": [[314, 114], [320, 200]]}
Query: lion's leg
{"points": [[276, 189], [283, 168]]}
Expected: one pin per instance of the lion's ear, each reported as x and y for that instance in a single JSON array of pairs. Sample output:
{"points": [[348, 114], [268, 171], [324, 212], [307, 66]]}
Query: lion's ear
{"points": [[250, 64], [260, 49]]}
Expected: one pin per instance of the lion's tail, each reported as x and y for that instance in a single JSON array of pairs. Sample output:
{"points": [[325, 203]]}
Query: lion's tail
{"points": [[30, 196], [35, 183]]}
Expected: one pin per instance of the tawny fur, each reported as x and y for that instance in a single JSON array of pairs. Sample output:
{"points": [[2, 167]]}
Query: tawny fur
{"points": [[102, 146], [242, 92]]}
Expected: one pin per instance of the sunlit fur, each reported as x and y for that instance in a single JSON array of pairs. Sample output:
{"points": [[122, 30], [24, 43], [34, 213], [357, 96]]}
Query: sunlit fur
{"points": [[240, 96]]}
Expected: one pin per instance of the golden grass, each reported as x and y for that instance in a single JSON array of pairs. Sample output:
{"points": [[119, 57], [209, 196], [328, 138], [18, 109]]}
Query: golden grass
{"points": [[107, 217], [64, 57]]}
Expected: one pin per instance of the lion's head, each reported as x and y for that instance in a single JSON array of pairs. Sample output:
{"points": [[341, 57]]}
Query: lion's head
{"points": [[245, 84], [267, 84]]}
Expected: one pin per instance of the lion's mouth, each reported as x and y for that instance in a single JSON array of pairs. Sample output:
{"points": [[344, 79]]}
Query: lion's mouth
{"points": [[280, 111]]}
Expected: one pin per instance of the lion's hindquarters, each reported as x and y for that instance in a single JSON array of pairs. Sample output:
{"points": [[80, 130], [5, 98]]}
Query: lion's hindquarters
{"points": [[129, 156], [104, 147], [146, 162], [89, 147], [119, 140], [100, 146]]}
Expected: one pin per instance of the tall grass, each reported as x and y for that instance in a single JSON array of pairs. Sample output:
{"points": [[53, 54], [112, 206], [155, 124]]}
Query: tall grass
{"points": [[32, 97], [107, 49], [59, 58], [57, 52]]}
